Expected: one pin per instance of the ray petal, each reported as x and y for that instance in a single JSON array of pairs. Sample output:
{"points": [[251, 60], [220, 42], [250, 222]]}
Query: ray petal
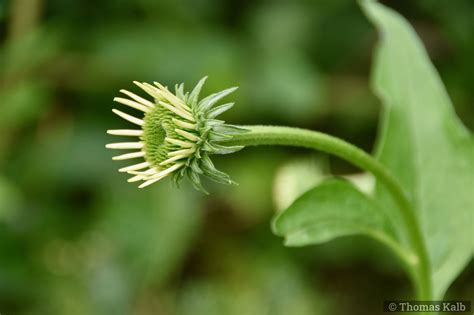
{"points": [[148, 172], [177, 111], [167, 171], [125, 145], [135, 178], [187, 135], [149, 89], [133, 104], [138, 98], [172, 98], [128, 117], [150, 181], [183, 124], [125, 132], [181, 143], [127, 156], [134, 167], [184, 151], [174, 158]]}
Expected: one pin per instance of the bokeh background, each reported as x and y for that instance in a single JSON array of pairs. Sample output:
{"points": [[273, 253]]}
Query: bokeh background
{"points": [[75, 238]]}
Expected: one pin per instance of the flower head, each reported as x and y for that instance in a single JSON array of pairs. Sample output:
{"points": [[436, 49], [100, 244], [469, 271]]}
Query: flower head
{"points": [[176, 134]]}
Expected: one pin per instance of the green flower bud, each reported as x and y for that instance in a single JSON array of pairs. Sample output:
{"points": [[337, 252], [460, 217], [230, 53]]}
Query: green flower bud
{"points": [[178, 132]]}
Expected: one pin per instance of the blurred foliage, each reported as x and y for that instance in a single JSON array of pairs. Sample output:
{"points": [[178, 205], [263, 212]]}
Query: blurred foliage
{"points": [[75, 238]]}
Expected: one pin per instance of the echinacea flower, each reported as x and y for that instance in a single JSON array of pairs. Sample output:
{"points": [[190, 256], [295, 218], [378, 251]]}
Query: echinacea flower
{"points": [[176, 134]]}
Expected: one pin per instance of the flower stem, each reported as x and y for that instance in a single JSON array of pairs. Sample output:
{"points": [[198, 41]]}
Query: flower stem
{"points": [[276, 135]]}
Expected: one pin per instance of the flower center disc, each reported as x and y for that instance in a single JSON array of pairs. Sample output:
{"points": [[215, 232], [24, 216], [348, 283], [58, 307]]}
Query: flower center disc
{"points": [[158, 125]]}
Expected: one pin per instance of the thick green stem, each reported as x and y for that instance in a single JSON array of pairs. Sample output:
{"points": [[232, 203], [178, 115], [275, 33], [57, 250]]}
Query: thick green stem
{"points": [[275, 135]]}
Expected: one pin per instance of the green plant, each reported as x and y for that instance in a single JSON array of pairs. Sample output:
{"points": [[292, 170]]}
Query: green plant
{"points": [[422, 205]]}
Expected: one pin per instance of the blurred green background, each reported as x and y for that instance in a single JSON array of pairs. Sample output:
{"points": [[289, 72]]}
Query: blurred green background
{"points": [[75, 238]]}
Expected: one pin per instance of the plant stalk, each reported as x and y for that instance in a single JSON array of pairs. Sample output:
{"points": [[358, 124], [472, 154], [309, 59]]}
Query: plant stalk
{"points": [[288, 136]]}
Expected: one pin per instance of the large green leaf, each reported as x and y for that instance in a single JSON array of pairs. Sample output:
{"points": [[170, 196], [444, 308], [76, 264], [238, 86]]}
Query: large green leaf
{"points": [[424, 144], [333, 209]]}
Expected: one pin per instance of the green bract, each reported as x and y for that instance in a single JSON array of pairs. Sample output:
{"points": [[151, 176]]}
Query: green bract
{"points": [[177, 134]]}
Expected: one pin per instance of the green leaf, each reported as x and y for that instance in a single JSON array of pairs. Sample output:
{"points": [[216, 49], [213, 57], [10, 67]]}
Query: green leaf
{"points": [[425, 145], [334, 209]]}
